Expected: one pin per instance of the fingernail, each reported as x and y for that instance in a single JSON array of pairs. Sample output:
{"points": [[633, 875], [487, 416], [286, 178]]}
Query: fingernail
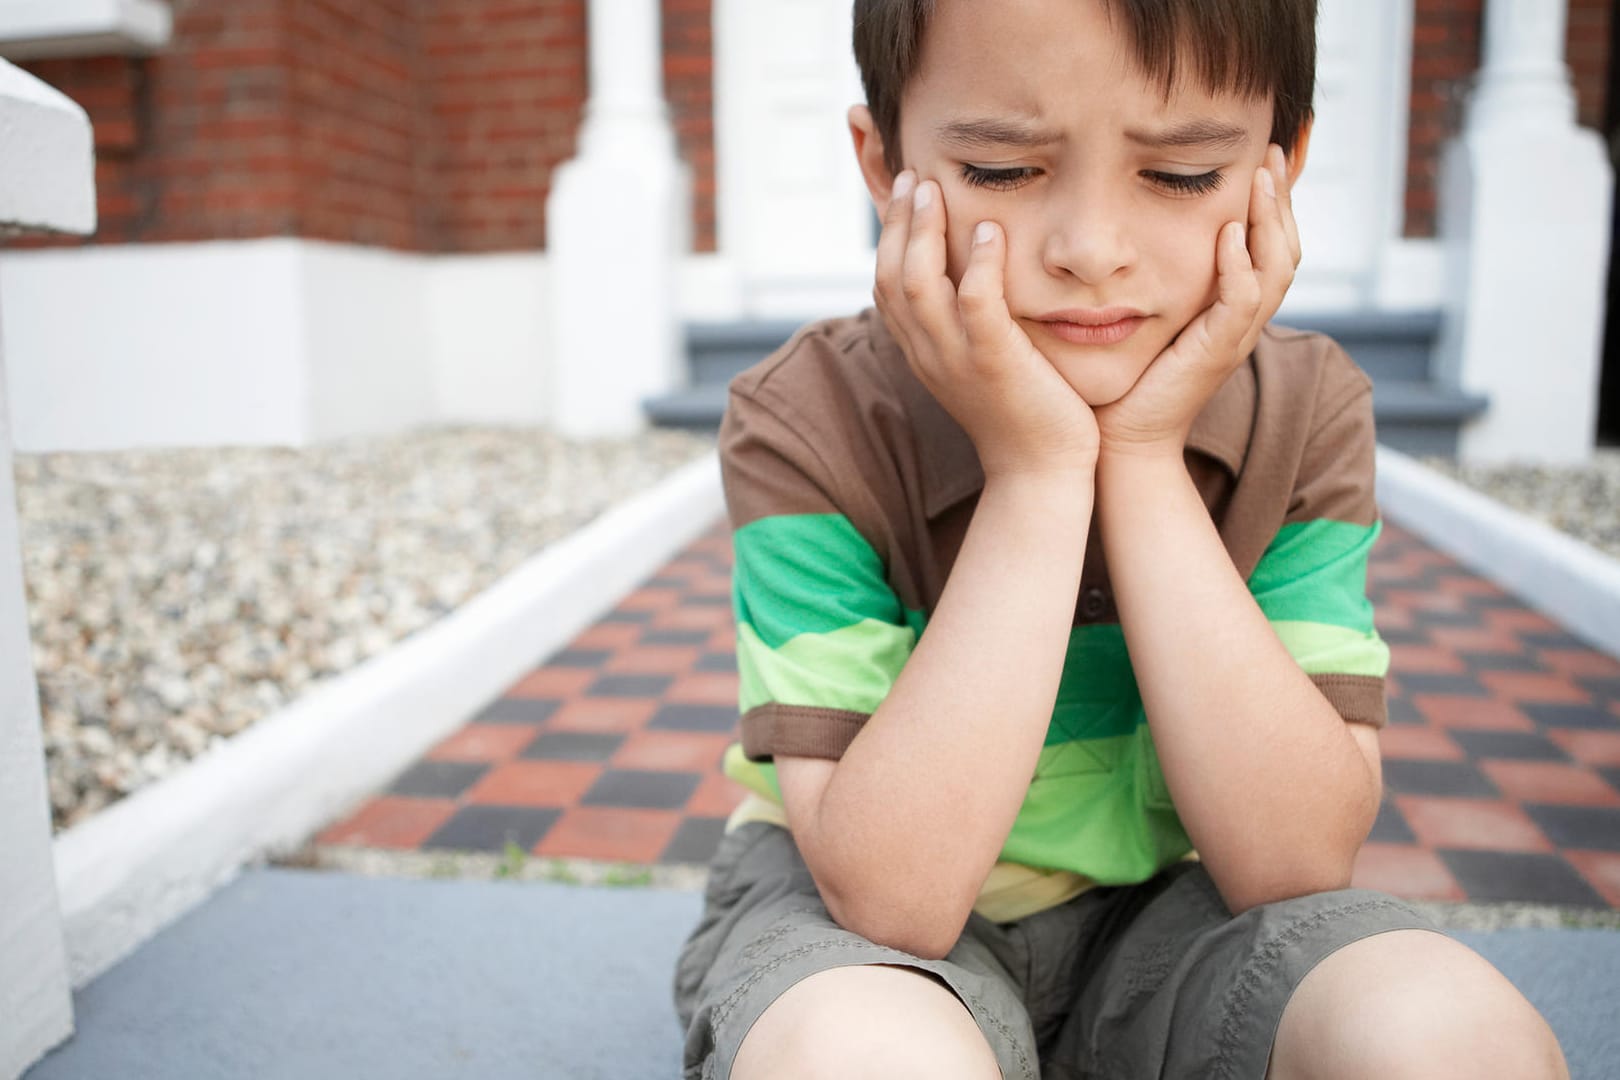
{"points": [[904, 183], [925, 195], [985, 233], [1267, 184]]}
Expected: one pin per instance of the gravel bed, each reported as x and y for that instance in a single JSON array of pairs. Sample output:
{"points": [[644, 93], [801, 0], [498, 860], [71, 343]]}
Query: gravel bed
{"points": [[1583, 502], [177, 596]]}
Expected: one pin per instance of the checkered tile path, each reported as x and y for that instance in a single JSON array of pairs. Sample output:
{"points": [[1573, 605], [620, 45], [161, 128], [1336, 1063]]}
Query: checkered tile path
{"points": [[1502, 757]]}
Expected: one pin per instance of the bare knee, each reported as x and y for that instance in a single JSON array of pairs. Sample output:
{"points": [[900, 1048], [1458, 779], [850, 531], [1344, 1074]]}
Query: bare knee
{"points": [[871, 1020], [1412, 1003]]}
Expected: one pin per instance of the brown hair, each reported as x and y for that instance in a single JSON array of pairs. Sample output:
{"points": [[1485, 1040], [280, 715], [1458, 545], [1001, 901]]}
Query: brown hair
{"points": [[1256, 48]]}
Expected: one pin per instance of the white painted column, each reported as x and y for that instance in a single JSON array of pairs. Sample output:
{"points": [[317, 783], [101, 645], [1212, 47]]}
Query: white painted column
{"points": [[47, 180], [1524, 215], [617, 222]]}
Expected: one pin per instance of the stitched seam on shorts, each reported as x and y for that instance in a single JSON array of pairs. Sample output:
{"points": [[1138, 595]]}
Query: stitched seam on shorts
{"points": [[1249, 980], [723, 1011]]}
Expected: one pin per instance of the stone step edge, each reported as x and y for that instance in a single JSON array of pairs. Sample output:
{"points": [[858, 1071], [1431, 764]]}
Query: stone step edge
{"points": [[1570, 582], [134, 868]]}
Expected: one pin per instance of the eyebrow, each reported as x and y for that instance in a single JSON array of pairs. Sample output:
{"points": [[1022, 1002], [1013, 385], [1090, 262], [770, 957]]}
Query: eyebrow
{"points": [[995, 132], [1203, 134]]}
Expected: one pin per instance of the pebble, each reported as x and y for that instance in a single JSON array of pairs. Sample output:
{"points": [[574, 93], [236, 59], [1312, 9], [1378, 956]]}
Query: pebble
{"points": [[177, 596], [1581, 501]]}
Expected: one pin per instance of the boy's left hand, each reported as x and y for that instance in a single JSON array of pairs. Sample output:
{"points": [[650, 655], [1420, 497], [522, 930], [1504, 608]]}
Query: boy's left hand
{"points": [[1156, 414]]}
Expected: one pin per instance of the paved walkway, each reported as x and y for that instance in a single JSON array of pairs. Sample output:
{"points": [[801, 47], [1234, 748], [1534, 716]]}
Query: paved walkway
{"points": [[1502, 758]]}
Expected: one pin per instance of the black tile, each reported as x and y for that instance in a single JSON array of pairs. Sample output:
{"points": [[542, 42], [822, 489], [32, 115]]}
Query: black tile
{"points": [[663, 582], [707, 600], [1390, 827], [642, 789], [1436, 778], [630, 685], [516, 710], [438, 779], [572, 746], [1428, 682], [1551, 639], [1398, 636], [1602, 688], [579, 658], [1500, 875], [716, 662], [1592, 828], [1445, 618], [491, 828], [1500, 661], [619, 615], [1591, 717], [1612, 775], [694, 718], [1402, 711], [1494, 602], [1507, 745], [695, 841], [675, 637]]}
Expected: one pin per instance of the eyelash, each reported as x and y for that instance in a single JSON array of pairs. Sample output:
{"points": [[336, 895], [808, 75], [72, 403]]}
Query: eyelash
{"points": [[1008, 179]]}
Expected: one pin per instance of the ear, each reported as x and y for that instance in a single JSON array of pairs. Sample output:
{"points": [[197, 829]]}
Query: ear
{"points": [[1302, 146], [869, 156]]}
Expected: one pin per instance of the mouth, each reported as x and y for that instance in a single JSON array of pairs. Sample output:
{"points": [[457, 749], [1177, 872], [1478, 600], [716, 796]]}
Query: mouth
{"points": [[1092, 326]]}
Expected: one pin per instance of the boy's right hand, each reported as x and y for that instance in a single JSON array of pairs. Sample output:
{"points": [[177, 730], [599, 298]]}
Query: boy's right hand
{"points": [[962, 342]]}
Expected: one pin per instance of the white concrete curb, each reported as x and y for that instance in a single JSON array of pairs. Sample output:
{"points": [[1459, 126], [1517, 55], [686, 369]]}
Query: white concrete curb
{"points": [[1568, 581], [141, 863]]}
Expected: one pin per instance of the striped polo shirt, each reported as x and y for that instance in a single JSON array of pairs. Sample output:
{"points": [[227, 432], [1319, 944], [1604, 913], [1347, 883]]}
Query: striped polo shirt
{"points": [[850, 490]]}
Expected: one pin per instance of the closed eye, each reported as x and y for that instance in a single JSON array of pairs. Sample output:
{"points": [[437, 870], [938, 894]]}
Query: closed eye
{"points": [[997, 179], [1183, 184]]}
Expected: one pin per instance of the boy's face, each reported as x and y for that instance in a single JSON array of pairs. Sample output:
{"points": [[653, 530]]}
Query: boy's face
{"points": [[1033, 114]]}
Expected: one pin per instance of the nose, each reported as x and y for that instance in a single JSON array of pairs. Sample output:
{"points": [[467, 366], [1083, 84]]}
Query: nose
{"points": [[1088, 236]]}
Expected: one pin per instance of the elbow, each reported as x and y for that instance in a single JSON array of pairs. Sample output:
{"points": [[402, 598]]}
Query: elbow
{"points": [[926, 933]]}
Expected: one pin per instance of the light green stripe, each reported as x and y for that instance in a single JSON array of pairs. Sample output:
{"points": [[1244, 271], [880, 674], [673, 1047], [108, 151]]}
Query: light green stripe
{"points": [[1316, 571], [1332, 650], [850, 668], [808, 574]]}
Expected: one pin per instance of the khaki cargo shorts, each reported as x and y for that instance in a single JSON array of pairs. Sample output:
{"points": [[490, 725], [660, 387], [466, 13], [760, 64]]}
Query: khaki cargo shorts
{"points": [[1157, 979]]}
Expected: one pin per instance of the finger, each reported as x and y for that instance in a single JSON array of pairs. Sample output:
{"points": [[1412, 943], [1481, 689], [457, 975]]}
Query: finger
{"points": [[1237, 287], [981, 298], [1268, 242], [1277, 161], [891, 249], [927, 290]]}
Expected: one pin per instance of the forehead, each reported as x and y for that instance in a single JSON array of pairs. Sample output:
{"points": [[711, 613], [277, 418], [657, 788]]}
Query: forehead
{"points": [[1053, 63]]}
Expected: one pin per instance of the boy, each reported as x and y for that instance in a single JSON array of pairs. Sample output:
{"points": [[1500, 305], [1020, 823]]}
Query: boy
{"points": [[1054, 575]]}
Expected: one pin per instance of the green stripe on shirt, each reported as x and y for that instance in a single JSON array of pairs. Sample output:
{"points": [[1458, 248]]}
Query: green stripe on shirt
{"points": [[1316, 571], [808, 574]]}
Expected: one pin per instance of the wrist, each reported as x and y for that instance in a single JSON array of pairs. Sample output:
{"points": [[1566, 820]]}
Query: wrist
{"points": [[1142, 467]]}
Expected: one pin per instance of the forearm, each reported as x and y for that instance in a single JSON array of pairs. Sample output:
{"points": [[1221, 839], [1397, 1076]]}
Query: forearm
{"points": [[923, 799], [1272, 788]]}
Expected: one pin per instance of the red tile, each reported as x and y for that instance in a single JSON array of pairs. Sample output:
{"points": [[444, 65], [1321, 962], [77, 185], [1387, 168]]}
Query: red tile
{"points": [[676, 751], [485, 742], [535, 783], [717, 796], [724, 640], [1602, 869], [1520, 619], [604, 833], [1425, 600], [692, 618], [1550, 782], [1588, 747], [704, 688], [653, 599], [603, 714], [654, 660], [608, 636], [1581, 662], [553, 682], [1389, 617], [391, 821], [1418, 742], [1405, 871], [1476, 713], [1469, 639], [1471, 823], [1473, 586], [1531, 686]]}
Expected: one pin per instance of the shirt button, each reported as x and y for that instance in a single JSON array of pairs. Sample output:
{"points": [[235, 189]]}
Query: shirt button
{"points": [[1093, 602]]}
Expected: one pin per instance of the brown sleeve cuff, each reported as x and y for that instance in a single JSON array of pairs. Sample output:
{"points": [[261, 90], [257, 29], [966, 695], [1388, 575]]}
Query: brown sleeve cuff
{"points": [[1358, 698], [798, 731]]}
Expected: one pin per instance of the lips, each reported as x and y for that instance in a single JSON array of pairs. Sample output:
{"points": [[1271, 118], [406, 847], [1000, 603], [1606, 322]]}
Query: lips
{"points": [[1092, 326]]}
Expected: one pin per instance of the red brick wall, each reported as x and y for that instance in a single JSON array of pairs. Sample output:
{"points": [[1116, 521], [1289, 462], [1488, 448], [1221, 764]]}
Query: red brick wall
{"points": [[1447, 37], [689, 88]]}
